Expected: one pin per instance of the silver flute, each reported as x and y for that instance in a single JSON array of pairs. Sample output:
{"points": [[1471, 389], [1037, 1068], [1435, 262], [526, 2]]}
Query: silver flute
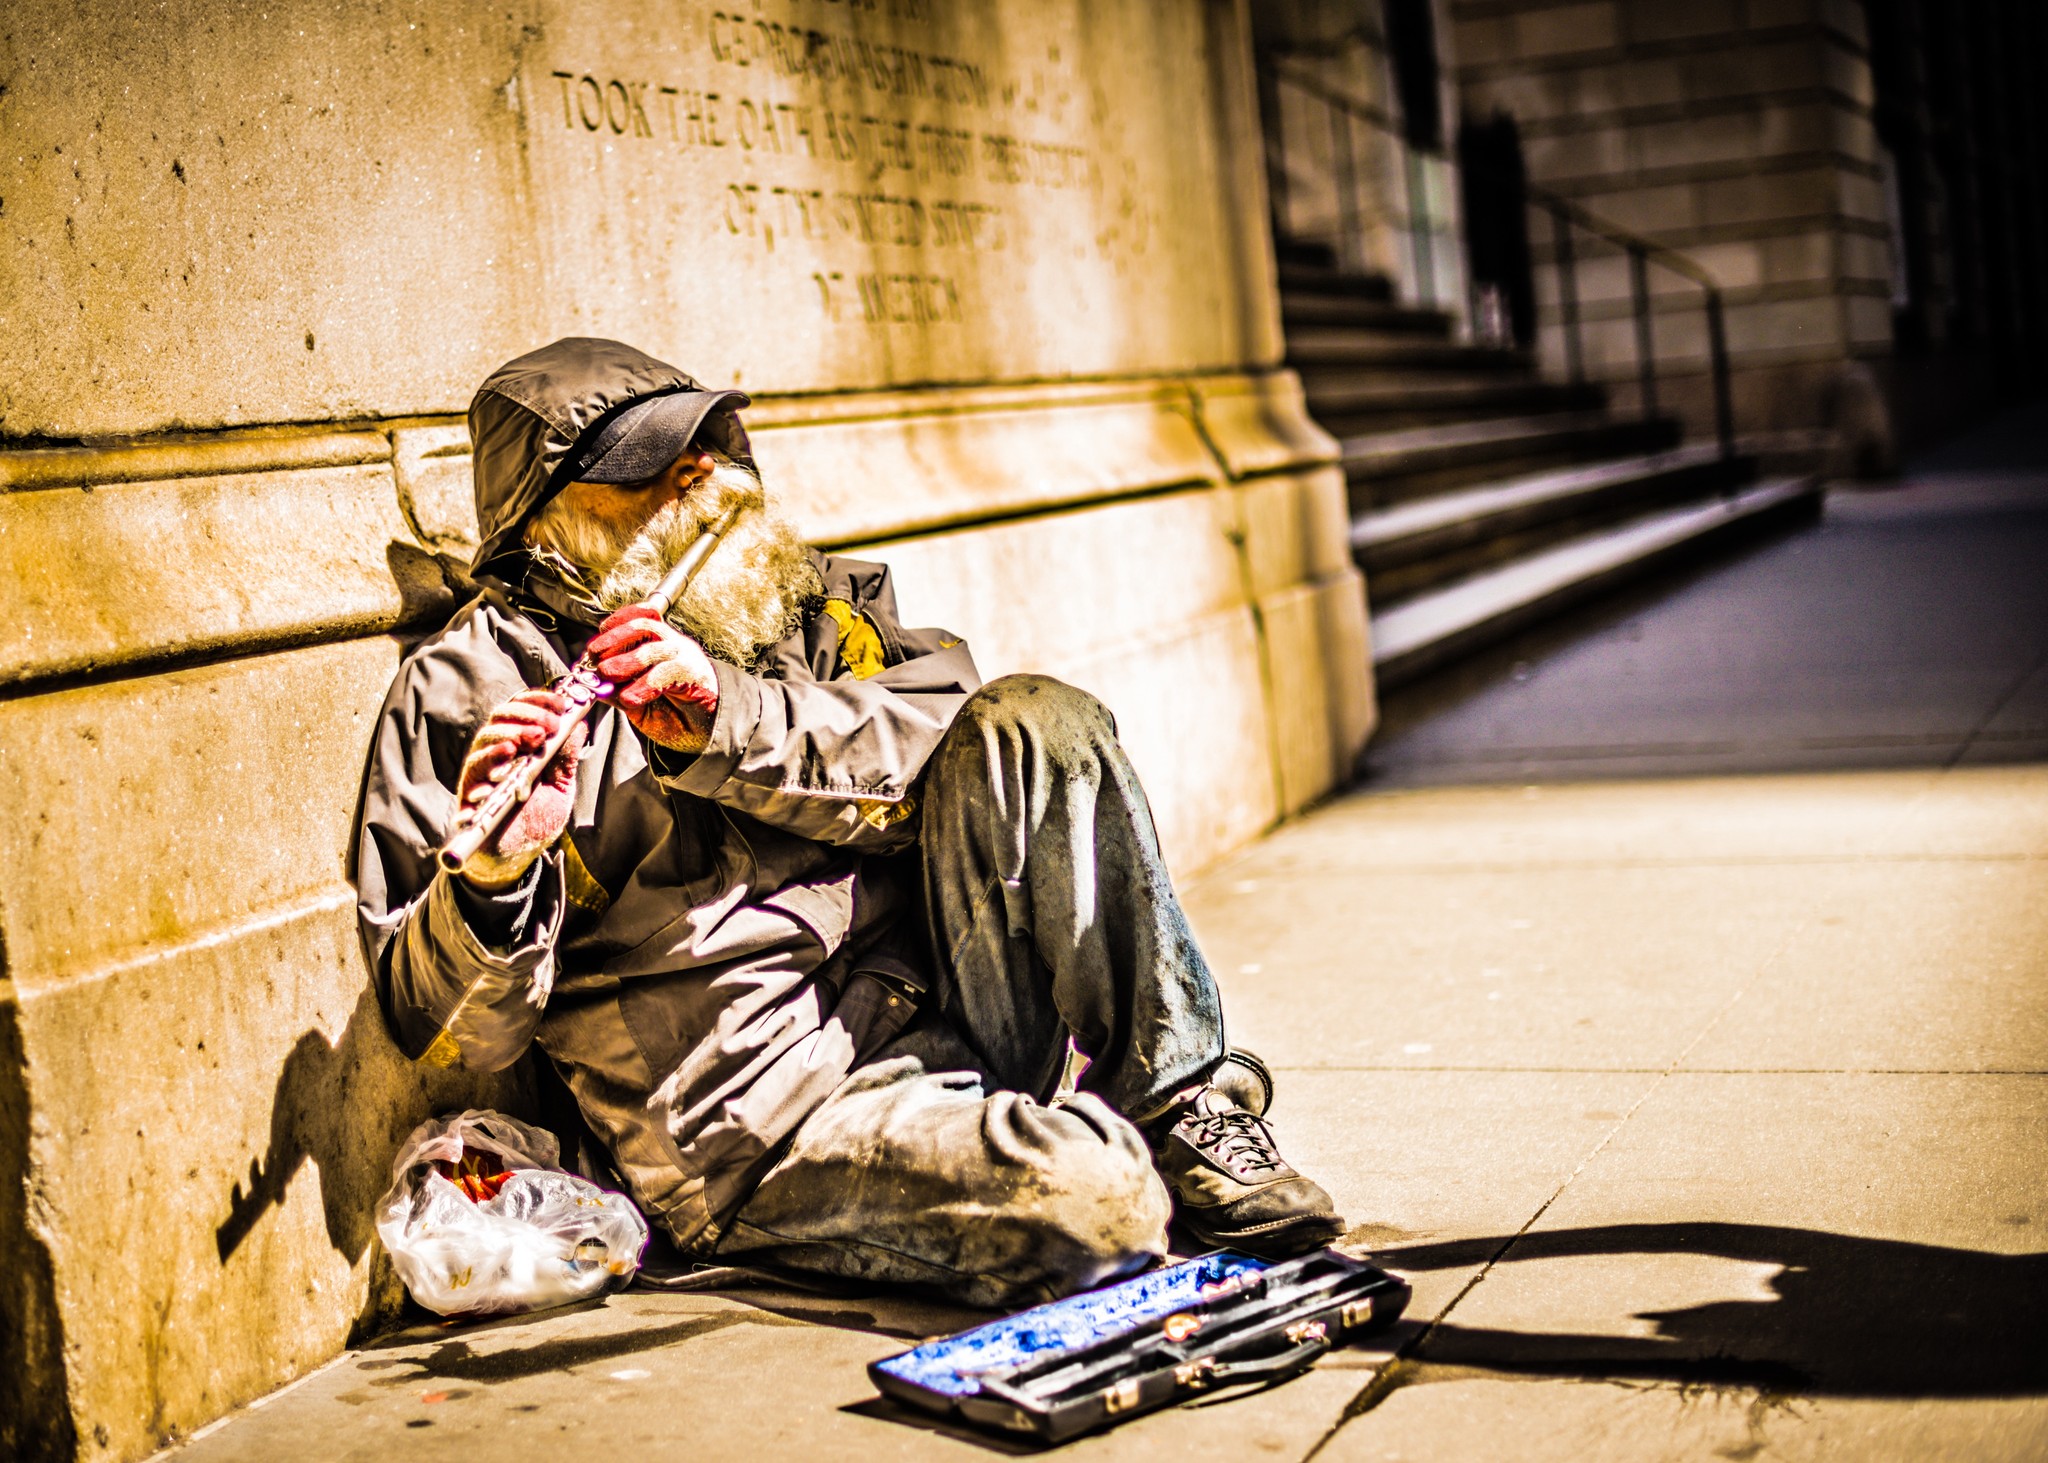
{"points": [[474, 827]]}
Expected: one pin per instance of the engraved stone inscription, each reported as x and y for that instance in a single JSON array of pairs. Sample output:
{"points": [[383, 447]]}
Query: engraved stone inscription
{"points": [[792, 195], [832, 143]]}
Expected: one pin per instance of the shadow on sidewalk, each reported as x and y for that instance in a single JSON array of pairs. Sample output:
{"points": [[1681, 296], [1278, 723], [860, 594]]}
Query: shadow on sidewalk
{"points": [[1852, 1317]]}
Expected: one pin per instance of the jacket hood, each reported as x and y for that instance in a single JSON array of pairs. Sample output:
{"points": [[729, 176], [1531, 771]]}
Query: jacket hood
{"points": [[527, 418]]}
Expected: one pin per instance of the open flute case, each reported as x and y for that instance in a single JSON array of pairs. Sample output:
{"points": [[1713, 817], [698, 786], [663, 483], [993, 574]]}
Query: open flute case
{"points": [[1222, 1320]]}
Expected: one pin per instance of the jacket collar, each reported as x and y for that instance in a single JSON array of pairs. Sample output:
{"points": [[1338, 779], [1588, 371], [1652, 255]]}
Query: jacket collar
{"points": [[551, 592]]}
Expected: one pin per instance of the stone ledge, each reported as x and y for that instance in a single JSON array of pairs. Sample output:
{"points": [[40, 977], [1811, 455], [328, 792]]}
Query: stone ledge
{"points": [[430, 470], [847, 482], [156, 571], [858, 466], [273, 450], [1036, 591], [1260, 424], [316, 537]]}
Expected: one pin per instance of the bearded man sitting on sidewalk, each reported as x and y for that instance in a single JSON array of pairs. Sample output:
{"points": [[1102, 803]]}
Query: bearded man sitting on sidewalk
{"points": [[808, 918]]}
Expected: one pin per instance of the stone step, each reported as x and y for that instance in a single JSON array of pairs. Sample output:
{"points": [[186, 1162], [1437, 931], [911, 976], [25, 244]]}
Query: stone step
{"points": [[1361, 402], [1313, 348], [1433, 628], [1384, 468], [1406, 532], [1313, 307], [1418, 546], [1324, 279]]}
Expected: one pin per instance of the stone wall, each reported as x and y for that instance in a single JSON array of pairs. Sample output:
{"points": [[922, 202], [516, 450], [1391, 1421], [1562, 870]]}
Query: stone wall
{"points": [[1738, 131], [998, 277], [1963, 130]]}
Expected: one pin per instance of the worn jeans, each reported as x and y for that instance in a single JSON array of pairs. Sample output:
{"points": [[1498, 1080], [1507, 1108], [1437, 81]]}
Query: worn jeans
{"points": [[945, 1162]]}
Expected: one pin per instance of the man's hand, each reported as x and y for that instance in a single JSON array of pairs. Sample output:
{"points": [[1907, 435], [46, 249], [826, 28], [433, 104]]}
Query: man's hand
{"points": [[520, 728], [666, 686]]}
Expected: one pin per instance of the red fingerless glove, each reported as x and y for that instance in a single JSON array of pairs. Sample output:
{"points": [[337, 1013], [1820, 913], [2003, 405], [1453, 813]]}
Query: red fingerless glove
{"points": [[520, 728], [666, 685]]}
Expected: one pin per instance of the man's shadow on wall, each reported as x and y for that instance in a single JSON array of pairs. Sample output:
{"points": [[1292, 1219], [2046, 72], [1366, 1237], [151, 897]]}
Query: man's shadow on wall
{"points": [[310, 1118], [1851, 1317], [345, 1106]]}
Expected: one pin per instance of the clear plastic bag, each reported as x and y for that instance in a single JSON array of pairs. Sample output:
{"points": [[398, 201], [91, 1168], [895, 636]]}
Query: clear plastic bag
{"points": [[480, 1221]]}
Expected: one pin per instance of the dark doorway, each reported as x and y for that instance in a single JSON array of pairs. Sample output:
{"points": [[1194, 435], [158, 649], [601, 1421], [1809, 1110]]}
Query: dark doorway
{"points": [[1491, 184]]}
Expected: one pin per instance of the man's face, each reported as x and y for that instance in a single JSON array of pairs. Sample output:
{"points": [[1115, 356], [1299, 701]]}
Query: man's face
{"points": [[752, 592], [625, 508]]}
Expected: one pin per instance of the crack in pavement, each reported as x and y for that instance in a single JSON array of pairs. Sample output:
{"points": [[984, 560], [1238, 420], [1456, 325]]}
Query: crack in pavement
{"points": [[1404, 1366]]}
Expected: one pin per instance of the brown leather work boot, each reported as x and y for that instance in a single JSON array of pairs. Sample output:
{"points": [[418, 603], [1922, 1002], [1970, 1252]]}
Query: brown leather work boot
{"points": [[1230, 1185]]}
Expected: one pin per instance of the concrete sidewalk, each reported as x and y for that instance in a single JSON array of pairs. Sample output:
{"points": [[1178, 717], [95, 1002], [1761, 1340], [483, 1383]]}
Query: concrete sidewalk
{"points": [[1706, 1110], [1706, 1115]]}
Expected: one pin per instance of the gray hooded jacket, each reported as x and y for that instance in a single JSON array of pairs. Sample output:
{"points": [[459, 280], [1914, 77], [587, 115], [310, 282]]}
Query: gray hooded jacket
{"points": [[714, 943]]}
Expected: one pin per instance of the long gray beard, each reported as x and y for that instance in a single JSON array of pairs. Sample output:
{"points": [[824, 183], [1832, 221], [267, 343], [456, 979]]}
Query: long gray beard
{"points": [[757, 588]]}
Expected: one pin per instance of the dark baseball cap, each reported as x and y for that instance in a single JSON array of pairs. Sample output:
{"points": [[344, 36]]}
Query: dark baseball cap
{"points": [[635, 444]]}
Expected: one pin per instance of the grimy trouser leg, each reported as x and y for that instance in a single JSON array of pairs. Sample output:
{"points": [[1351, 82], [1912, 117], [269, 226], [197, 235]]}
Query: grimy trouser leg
{"points": [[1051, 913], [911, 1173]]}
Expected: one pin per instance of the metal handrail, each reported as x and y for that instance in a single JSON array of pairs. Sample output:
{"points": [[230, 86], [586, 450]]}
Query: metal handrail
{"points": [[1565, 215], [1642, 253]]}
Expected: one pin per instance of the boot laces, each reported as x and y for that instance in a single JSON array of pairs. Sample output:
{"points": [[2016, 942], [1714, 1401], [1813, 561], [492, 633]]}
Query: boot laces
{"points": [[1238, 1141]]}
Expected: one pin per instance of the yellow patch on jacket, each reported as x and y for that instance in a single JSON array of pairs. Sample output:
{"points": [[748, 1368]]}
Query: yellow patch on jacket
{"points": [[860, 648], [444, 1051], [579, 883], [880, 813]]}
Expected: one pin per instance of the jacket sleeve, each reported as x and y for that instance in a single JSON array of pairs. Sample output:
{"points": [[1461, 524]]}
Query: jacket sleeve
{"points": [[450, 998], [833, 760]]}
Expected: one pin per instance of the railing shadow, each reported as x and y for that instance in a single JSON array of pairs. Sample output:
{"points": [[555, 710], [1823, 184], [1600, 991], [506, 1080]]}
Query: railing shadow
{"points": [[1849, 1316]]}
